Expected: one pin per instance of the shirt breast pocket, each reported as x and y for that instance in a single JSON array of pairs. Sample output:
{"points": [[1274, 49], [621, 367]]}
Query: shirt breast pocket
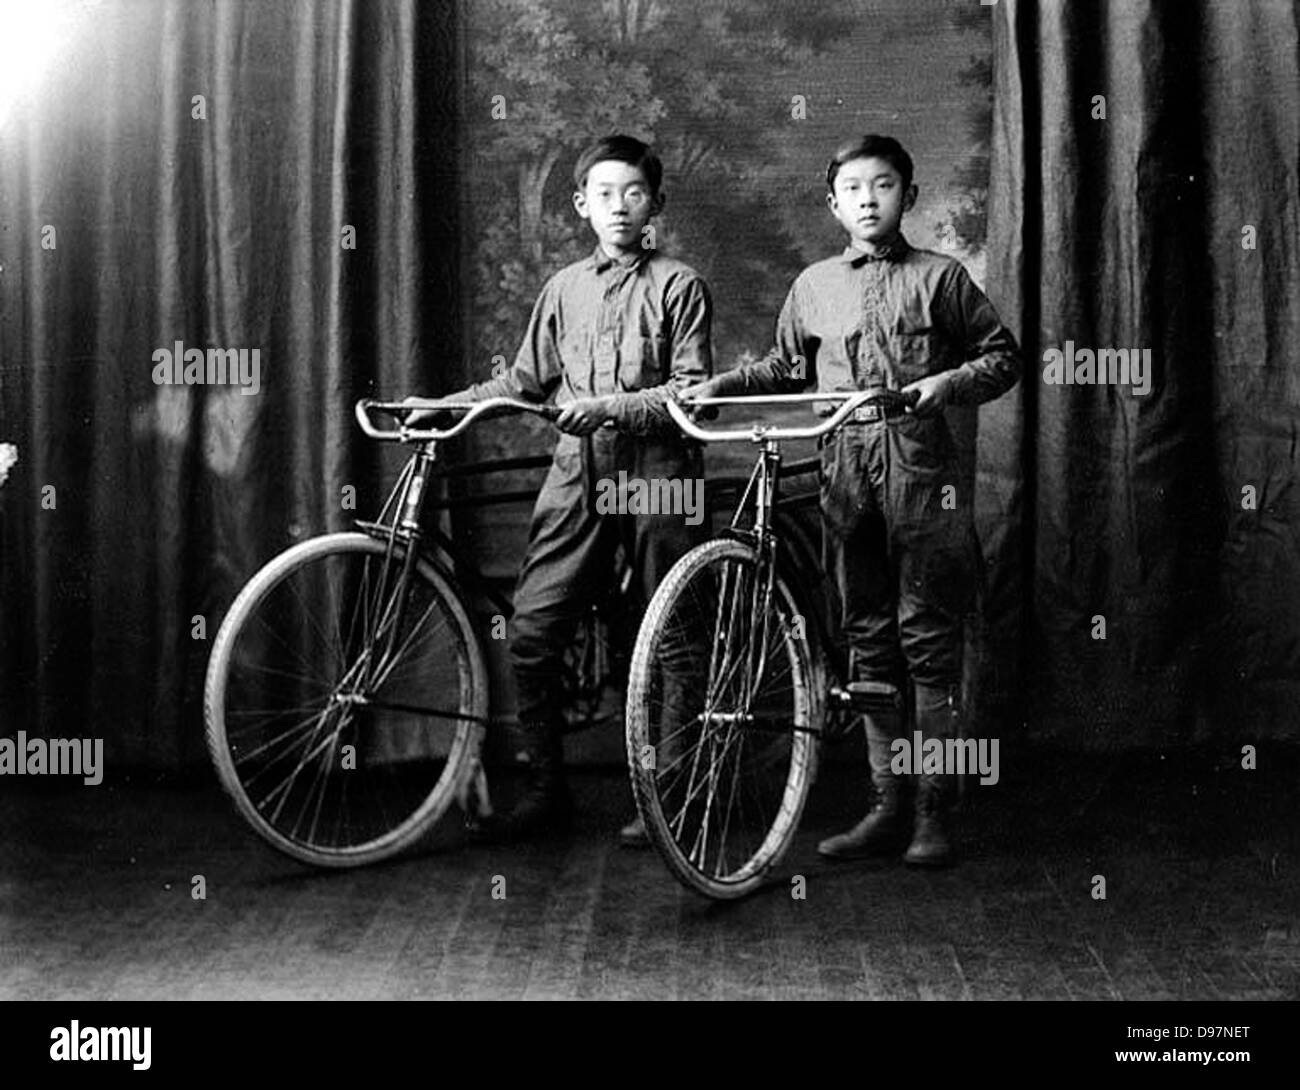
{"points": [[915, 343]]}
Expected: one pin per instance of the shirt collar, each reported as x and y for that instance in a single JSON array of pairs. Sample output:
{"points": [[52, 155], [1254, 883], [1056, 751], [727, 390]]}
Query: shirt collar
{"points": [[893, 253], [602, 261]]}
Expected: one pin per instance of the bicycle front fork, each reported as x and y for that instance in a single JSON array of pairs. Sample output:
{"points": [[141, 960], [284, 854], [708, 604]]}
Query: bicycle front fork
{"points": [[409, 495]]}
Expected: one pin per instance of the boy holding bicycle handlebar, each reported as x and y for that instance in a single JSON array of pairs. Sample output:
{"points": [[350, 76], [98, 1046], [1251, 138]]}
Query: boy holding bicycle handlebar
{"points": [[899, 530], [609, 337]]}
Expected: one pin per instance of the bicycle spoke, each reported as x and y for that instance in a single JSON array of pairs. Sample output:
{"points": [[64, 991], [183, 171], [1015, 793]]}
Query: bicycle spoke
{"points": [[316, 791], [311, 671], [271, 671], [286, 784], [310, 616], [704, 780], [406, 647], [362, 596], [304, 725], [709, 780], [726, 825]]}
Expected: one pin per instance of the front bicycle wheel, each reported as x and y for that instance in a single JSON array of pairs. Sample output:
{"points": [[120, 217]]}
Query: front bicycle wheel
{"points": [[723, 715], [341, 714]]}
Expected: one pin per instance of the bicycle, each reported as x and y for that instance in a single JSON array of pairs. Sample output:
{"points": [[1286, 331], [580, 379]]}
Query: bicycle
{"points": [[346, 698], [733, 680]]}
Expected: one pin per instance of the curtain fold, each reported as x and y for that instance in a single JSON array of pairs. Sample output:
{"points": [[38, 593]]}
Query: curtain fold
{"points": [[217, 224], [1172, 223], [1133, 146]]}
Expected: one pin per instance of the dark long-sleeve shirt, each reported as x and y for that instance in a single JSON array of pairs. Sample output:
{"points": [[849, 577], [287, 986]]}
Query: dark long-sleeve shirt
{"points": [[856, 321], [636, 327]]}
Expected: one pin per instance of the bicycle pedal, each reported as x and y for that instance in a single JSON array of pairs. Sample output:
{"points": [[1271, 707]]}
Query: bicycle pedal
{"points": [[871, 697]]}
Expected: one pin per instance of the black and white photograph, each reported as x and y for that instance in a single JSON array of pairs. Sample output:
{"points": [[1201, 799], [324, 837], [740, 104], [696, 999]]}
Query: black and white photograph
{"points": [[651, 500]]}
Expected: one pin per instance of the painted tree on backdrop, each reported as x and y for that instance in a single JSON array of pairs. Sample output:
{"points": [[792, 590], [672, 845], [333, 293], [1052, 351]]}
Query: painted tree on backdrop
{"points": [[965, 220], [695, 79]]}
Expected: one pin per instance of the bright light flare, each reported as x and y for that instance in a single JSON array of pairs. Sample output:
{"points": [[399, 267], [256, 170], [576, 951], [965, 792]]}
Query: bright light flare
{"points": [[33, 34]]}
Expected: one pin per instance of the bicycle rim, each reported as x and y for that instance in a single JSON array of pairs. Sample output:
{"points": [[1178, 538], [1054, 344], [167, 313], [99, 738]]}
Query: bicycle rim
{"points": [[339, 728]]}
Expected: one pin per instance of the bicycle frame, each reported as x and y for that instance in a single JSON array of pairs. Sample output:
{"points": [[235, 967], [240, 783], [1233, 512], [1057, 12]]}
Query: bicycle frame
{"points": [[760, 495], [763, 485], [401, 519], [409, 494]]}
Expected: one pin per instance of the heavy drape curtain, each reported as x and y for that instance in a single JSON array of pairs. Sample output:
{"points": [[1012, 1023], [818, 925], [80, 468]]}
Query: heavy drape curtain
{"points": [[225, 230], [1171, 222], [228, 231]]}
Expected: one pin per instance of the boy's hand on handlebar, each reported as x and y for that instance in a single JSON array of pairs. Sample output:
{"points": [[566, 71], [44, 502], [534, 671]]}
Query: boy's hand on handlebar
{"points": [[584, 416], [698, 412], [934, 393], [433, 419]]}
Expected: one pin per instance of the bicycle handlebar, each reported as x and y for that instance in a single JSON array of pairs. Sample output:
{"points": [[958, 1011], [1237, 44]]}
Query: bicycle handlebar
{"points": [[472, 410], [852, 401]]}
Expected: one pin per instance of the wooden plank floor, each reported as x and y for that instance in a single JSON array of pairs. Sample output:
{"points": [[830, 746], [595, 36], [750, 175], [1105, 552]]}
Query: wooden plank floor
{"points": [[1200, 861]]}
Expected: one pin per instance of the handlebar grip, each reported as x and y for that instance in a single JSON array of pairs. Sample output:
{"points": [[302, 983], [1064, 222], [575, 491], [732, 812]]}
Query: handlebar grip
{"points": [[470, 410], [362, 412]]}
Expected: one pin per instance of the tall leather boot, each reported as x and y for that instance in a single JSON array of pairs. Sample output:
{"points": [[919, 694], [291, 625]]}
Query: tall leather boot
{"points": [[936, 717], [879, 833], [545, 805]]}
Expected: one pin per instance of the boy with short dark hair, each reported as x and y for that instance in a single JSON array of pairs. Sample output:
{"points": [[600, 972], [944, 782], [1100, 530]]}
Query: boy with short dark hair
{"points": [[610, 336], [900, 544]]}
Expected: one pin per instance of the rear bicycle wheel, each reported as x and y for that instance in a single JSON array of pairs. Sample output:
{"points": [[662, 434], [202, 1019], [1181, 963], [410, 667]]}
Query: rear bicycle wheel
{"points": [[594, 668], [339, 725], [723, 712]]}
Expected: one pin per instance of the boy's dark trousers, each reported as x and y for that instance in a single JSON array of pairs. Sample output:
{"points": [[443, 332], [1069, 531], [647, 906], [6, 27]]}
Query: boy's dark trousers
{"points": [[901, 549], [570, 560]]}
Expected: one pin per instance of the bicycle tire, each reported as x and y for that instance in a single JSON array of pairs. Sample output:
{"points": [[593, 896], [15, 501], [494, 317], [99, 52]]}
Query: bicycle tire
{"points": [[676, 628], [408, 760]]}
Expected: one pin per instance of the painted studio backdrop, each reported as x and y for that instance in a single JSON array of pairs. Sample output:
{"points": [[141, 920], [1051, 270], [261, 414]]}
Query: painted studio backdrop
{"points": [[371, 195]]}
